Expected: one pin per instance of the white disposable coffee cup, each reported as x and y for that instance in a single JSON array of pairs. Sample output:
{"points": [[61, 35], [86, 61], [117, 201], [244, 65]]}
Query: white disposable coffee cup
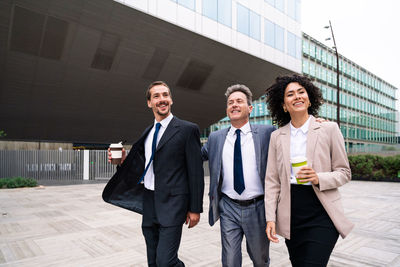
{"points": [[116, 153], [297, 164]]}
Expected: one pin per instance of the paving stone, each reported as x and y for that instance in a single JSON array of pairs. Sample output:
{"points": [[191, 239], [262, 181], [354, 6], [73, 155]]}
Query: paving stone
{"points": [[72, 226]]}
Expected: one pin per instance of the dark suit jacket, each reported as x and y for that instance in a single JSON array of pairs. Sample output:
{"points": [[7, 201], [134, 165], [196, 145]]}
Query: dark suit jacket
{"points": [[212, 151], [178, 170]]}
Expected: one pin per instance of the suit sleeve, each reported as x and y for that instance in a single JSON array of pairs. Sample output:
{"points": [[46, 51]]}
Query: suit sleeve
{"points": [[272, 182], [204, 152], [194, 165], [341, 172]]}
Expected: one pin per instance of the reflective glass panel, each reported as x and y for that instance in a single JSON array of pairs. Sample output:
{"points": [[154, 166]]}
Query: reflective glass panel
{"points": [[279, 38], [269, 33], [242, 19]]}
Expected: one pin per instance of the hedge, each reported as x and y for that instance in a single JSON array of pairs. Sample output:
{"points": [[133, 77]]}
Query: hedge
{"points": [[16, 182], [375, 168]]}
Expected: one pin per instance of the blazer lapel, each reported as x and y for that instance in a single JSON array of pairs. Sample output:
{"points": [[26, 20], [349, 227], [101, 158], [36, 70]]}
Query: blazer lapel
{"points": [[257, 147], [285, 144], [312, 137], [172, 129]]}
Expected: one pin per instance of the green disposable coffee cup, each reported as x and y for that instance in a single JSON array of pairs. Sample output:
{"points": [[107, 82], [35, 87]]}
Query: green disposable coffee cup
{"points": [[297, 164]]}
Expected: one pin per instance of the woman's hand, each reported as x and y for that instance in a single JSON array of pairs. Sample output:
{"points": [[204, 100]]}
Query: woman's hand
{"points": [[307, 174], [271, 232]]}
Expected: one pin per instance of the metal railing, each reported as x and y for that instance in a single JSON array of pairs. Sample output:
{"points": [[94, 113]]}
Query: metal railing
{"points": [[99, 167], [65, 165], [42, 164]]}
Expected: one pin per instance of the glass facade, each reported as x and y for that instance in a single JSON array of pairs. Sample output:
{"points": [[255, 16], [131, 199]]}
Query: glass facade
{"points": [[269, 30], [367, 103]]}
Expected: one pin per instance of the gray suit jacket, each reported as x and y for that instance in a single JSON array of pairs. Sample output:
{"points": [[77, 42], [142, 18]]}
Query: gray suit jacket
{"points": [[212, 151]]}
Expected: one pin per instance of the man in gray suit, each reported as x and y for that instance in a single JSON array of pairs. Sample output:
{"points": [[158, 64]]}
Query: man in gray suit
{"points": [[237, 159]]}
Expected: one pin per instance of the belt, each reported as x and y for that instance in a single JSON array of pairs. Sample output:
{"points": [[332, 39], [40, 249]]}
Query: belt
{"points": [[246, 202]]}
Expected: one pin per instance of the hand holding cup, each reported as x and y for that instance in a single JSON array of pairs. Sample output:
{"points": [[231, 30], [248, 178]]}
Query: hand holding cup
{"points": [[116, 154]]}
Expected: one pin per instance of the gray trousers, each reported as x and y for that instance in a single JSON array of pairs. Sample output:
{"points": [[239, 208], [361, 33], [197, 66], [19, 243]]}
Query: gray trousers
{"points": [[236, 221]]}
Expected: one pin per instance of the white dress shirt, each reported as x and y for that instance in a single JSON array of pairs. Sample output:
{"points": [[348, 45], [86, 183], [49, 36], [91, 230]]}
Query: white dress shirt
{"points": [[149, 177], [252, 181], [298, 145]]}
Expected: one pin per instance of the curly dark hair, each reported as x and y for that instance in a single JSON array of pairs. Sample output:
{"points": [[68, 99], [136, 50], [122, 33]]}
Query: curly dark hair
{"points": [[275, 95]]}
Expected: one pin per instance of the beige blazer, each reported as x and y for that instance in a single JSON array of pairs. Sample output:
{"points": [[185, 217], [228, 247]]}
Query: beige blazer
{"points": [[326, 154]]}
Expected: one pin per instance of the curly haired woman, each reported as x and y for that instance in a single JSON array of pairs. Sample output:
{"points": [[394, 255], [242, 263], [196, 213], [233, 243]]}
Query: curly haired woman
{"points": [[305, 208]]}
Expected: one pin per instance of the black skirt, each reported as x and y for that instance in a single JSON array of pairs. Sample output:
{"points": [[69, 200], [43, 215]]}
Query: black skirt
{"points": [[312, 233]]}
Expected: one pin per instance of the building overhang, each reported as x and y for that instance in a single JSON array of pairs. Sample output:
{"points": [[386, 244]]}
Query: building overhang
{"points": [[77, 71]]}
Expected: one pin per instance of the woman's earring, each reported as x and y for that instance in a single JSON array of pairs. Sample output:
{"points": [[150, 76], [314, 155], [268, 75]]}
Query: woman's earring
{"points": [[284, 109]]}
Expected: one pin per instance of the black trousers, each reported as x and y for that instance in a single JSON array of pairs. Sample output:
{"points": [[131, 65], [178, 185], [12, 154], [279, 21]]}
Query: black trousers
{"points": [[162, 243], [312, 233]]}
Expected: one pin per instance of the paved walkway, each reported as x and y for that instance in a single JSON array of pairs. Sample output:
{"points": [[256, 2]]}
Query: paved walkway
{"points": [[72, 226]]}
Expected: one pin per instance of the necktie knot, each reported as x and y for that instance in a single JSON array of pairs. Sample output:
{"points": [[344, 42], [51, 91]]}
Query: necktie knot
{"points": [[237, 132], [158, 125]]}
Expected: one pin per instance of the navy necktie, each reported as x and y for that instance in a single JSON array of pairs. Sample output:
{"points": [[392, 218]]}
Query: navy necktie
{"points": [[238, 180], [153, 150]]}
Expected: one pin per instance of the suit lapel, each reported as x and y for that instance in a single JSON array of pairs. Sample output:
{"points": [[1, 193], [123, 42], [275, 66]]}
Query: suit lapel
{"points": [[172, 129], [220, 146], [312, 137], [221, 139], [257, 147], [285, 144]]}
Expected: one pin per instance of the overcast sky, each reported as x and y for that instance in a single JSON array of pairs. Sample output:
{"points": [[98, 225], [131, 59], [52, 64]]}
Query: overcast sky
{"points": [[366, 32]]}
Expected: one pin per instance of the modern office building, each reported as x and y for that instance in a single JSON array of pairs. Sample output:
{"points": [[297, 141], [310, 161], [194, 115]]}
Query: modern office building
{"points": [[76, 71], [367, 103]]}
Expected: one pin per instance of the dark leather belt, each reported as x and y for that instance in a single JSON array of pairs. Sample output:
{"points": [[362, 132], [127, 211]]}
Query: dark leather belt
{"points": [[246, 202]]}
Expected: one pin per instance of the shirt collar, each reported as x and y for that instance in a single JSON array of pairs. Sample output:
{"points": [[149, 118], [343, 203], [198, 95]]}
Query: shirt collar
{"points": [[166, 121], [303, 128], [245, 129]]}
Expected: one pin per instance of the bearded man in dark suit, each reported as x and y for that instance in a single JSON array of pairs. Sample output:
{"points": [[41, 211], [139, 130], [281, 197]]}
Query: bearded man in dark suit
{"points": [[162, 178]]}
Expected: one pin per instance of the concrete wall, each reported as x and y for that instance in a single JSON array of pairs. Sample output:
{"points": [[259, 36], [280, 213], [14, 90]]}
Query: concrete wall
{"points": [[20, 145]]}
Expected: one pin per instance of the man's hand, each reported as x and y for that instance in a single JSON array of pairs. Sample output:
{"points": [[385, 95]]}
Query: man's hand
{"points": [[271, 232], [192, 219], [123, 155]]}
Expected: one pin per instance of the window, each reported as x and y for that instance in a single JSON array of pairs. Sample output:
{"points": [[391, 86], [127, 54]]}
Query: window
{"points": [[312, 69], [186, 3], [318, 53], [305, 67], [323, 74], [279, 38], [242, 19], [298, 10], [293, 9], [274, 35], [324, 56], [248, 22], [278, 4], [306, 49], [291, 44], [255, 26], [218, 10], [298, 47], [312, 50]]}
